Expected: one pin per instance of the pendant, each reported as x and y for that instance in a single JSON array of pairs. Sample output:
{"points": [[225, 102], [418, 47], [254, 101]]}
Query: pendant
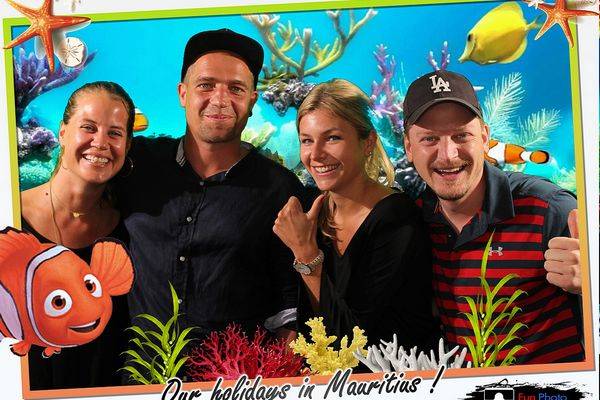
{"points": [[76, 214]]}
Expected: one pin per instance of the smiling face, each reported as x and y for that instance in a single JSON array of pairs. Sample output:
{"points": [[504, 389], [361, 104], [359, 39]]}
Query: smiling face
{"points": [[70, 308], [447, 146], [95, 136], [217, 94], [331, 150]]}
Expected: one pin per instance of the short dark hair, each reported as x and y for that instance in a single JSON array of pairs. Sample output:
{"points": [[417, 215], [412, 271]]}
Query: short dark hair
{"points": [[248, 49]]}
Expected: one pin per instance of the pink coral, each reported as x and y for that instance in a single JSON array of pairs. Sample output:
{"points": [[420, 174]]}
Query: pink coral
{"points": [[229, 354]]}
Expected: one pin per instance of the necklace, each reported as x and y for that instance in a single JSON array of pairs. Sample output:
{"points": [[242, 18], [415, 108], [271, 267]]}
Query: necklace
{"points": [[74, 213], [53, 215]]}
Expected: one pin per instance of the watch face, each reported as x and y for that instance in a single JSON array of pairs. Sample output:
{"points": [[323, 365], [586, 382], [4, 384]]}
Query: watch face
{"points": [[302, 268]]}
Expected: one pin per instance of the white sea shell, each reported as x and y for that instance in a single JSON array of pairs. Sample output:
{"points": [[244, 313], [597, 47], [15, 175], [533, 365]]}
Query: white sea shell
{"points": [[72, 53]]}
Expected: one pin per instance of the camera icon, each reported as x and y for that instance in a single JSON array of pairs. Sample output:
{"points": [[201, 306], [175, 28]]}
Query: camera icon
{"points": [[499, 394]]}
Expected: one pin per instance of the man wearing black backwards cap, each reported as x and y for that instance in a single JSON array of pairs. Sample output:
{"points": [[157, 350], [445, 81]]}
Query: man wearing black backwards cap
{"points": [[199, 209], [466, 201]]}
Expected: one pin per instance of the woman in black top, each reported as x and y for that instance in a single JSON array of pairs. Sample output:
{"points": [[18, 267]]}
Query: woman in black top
{"points": [[369, 265], [74, 209]]}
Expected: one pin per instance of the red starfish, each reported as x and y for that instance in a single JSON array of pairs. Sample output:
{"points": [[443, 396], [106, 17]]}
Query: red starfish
{"points": [[558, 13], [42, 25]]}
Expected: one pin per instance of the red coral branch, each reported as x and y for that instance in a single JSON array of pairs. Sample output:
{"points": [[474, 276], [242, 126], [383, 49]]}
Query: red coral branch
{"points": [[229, 354]]}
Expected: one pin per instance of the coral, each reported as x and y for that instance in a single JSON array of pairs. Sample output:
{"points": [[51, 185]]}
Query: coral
{"points": [[35, 171], [258, 138], [283, 66], [567, 179], [320, 355], [487, 313], [272, 156], [444, 58], [304, 176], [32, 78], [230, 354], [33, 138], [386, 100], [388, 357], [408, 179], [286, 93], [159, 351]]}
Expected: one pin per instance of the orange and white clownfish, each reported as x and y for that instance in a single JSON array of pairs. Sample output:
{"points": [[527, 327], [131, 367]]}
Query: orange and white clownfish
{"points": [[503, 153], [52, 298], [140, 122]]}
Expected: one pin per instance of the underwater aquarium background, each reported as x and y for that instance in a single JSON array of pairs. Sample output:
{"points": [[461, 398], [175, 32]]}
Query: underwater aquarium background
{"points": [[144, 56]]}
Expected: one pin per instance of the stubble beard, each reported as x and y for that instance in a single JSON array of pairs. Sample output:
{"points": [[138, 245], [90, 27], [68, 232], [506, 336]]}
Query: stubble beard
{"points": [[453, 194]]}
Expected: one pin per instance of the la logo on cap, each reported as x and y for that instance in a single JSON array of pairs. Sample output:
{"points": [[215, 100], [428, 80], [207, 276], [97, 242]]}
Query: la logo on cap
{"points": [[439, 84]]}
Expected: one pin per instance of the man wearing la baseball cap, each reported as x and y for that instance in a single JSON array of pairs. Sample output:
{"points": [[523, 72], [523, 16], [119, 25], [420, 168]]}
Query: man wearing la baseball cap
{"points": [[468, 201], [200, 208]]}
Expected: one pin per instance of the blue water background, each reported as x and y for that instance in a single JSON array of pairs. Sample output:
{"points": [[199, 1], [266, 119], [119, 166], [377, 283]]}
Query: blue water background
{"points": [[145, 57]]}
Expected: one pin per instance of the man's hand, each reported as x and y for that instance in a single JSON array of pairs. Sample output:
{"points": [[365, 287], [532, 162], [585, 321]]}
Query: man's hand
{"points": [[562, 259]]}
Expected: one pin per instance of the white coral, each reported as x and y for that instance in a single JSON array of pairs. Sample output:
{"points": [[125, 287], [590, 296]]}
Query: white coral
{"points": [[388, 357]]}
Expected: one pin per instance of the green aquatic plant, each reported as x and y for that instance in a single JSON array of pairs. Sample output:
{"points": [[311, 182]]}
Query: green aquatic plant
{"points": [[487, 313], [157, 355], [566, 179], [258, 138], [286, 38]]}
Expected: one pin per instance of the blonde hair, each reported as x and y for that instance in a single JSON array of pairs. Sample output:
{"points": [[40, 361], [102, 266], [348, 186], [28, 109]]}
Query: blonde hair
{"points": [[345, 100]]}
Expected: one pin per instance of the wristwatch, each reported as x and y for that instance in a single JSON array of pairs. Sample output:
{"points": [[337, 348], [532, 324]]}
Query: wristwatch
{"points": [[307, 269]]}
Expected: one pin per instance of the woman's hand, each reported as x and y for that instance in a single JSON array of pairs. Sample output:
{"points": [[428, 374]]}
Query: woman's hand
{"points": [[298, 230]]}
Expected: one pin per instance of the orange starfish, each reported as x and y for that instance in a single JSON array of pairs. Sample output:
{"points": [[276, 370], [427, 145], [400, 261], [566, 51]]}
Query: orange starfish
{"points": [[558, 13], [42, 25]]}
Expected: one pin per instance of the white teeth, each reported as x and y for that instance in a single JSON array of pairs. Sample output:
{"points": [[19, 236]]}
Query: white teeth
{"points": [[449, 171], [326, 168], [95, 160]]}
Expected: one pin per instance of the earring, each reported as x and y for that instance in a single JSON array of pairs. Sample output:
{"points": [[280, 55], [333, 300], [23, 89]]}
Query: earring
{"points": [[126, 170]]}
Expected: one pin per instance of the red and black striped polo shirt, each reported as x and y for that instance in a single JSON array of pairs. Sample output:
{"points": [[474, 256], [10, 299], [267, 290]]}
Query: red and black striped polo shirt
{"points": [[524, 212]]}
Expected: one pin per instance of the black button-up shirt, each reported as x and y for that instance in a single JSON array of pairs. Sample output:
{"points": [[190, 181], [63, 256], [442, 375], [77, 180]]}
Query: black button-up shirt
{"points": [[211, 238]]}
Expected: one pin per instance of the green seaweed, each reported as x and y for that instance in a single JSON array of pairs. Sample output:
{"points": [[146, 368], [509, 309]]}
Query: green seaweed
{"points": [[258, 138], [485, 317], [567, 179], [162, 346]]}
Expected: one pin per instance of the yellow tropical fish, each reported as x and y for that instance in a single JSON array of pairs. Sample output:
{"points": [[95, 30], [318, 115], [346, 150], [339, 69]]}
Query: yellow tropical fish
{"points": [[499, 37], [140, 122]]}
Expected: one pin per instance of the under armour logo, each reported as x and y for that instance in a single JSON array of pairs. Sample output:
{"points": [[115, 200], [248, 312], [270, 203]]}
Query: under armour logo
{"points": [[499, 251], [440, 84]]}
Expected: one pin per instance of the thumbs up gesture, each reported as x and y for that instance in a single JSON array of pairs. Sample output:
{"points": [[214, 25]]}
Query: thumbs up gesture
{"points": [[562, 259], [299, 230]]}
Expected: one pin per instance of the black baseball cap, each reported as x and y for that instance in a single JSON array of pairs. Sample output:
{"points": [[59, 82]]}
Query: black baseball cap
{"points": [[248, 49], [436, 87]]}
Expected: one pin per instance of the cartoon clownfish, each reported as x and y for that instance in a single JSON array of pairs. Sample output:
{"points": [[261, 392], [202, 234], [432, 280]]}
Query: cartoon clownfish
{"points": [[502, 153], [51, 298]]}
